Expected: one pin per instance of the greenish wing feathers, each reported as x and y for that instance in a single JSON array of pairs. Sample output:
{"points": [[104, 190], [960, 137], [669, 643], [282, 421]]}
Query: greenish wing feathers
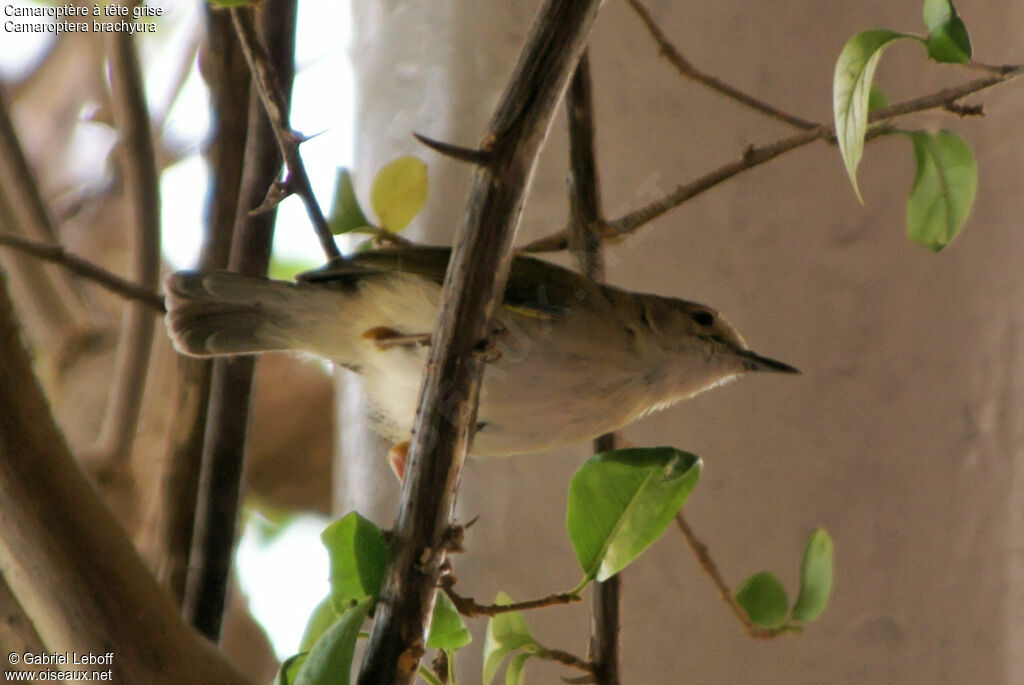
{"points": [[533, 285]]}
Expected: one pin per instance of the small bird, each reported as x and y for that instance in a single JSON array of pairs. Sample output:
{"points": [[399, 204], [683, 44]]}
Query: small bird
{"points": [[569, 358]]}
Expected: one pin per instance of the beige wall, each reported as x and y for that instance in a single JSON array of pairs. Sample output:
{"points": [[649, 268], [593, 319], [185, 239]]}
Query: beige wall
{"points": [[904, 435]]}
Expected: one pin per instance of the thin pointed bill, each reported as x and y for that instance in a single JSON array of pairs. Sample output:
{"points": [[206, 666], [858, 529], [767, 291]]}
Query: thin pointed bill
{"points": [[755, 362]]}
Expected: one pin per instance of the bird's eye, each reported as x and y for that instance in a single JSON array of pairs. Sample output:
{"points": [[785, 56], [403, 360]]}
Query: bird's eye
{"points": [[703, 318]]}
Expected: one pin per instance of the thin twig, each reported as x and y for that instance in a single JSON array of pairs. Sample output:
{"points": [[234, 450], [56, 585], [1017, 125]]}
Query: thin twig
{"points": [[618, 229], [112, 282], [277, 111], [684, 67], [226, 74], [585, 244], [142, 196], [231, 384], [700, 550], [467, 606]]}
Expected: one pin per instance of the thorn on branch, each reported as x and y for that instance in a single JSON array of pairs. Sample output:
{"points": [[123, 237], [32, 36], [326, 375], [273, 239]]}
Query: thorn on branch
{"points": [[276, 193], [479, 156]]}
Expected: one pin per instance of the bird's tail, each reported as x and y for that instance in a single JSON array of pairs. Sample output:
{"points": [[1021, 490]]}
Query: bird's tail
{"points": [[219, 313]]}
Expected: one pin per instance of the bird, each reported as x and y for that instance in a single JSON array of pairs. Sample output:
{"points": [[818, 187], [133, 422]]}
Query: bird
{"points": [[569, 358]]}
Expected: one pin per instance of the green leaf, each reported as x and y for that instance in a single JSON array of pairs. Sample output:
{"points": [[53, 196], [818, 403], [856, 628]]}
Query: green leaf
{"points": [[505, 634], [764, 599], [851, 88], [357, 552], [621, 501], [815, 577], [346, 214], [329, 662], [289, 668], [515, 671], [944, 188], [399, 191], [447, 630], [321, 618], [877, 98], [947, 34]]}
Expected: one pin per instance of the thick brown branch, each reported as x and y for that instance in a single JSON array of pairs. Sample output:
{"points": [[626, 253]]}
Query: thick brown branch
{"points": [[288, 141], [473, 287], [67, 560], [752, 157], [467, 606], [112, 282], [684, 67], [700, 550]]}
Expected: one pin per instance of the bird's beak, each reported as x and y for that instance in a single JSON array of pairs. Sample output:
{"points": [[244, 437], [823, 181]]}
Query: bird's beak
{"points": [[755, 362]]}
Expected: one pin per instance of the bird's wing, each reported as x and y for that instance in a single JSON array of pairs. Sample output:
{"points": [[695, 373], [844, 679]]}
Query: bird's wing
{"points": [[535, 287]]}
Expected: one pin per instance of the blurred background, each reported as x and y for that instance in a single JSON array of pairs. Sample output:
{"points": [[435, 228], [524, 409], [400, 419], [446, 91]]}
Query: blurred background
{"points": [[903, 437]]}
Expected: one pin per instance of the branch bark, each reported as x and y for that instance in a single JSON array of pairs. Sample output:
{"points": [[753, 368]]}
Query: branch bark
{"points": [[142, 193], [228, 418], [585, 224], [225, 72], [473, 287], [66, 559]]}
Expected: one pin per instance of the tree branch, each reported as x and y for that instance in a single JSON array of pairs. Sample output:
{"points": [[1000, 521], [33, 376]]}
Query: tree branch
{"points": [[227, 77], [672, 54], [752, 157], [65, 557], [269, 86], [467, 606], [473, 288], [586, 222], [231, 385], [142, 194], [700, 550]]}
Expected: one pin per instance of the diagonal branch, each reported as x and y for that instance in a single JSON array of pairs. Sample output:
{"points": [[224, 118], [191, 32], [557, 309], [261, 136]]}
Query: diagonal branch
{"points": [[684, 67], [67, 560], [618, 229], [276, 104], [473, 288]]}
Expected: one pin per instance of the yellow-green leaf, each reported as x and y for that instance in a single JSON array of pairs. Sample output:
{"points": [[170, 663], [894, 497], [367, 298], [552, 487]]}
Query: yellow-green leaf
{"points": [[399, 191]]}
